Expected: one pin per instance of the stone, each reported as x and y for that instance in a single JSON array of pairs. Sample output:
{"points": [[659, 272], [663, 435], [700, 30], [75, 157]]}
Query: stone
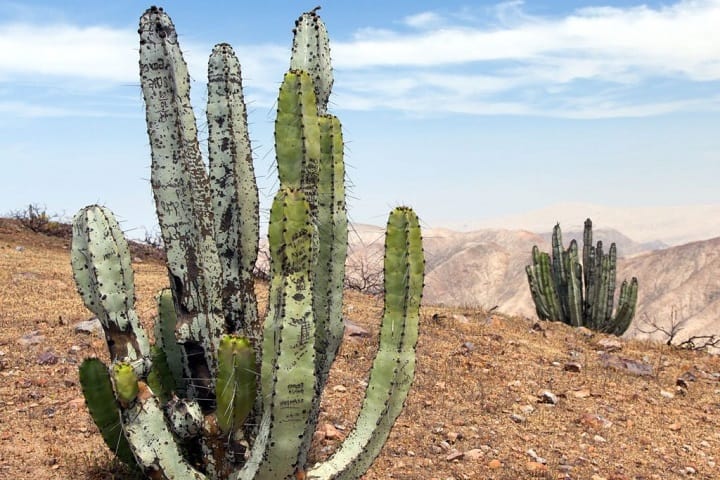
{"points": [[574, 367], [47, 358], [354, 330], [594, 421], [548, 397], [474, 454], [635, 367], [31, 338], [89, 326], [666, 394], [609, 344], [494, 464], [536, 467], [454, 455]]}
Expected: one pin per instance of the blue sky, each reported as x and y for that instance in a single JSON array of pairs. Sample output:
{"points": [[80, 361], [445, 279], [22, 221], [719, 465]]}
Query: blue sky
{"points": [[467, 111]]}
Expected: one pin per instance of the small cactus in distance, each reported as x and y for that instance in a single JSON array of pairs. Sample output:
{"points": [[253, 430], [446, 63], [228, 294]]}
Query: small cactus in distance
{"points": [[578, 294], [221, 393]]}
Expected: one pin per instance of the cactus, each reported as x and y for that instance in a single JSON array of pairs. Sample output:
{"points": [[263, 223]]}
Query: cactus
{"points": [[221, 394], [556, 285]]}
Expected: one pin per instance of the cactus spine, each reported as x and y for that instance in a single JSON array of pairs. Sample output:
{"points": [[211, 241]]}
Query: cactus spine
{"points": [[556, 285], [193, 406]]}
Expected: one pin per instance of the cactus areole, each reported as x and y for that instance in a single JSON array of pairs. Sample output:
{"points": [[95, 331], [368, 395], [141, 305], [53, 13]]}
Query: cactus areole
{"points": [[221, 393], [556, 285]]}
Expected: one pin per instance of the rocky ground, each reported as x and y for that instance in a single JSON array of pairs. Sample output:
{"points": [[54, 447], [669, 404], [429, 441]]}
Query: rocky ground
{"points": [[495, 397]]}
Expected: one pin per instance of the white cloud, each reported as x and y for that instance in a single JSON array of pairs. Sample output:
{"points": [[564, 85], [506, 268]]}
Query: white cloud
{"points": [[595, 61], [560, 66], [94, 53], [423, 20]]}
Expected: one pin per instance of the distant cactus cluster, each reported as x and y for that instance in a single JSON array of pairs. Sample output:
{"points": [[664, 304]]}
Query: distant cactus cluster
{"points": [[220, 393], [578, 294]]}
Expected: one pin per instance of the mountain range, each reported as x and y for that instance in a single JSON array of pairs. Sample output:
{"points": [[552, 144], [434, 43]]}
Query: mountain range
{"points": [[679, 283]]}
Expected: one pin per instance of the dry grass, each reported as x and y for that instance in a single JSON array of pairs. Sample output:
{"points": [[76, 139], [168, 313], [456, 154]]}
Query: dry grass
{"points": [[473, 373]]}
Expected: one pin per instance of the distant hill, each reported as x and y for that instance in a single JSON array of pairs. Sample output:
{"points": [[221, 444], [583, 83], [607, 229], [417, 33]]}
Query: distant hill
{"points": [[486, 268], [673, 225]]}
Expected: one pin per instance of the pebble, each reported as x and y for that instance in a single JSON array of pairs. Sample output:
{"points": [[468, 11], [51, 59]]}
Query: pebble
{"points": [[47, 358], [531, 453], [494, 464], [574, 367], [536, 467], [666, 394], [31, 338], [89, 326], [474, 454], [548, 397]]}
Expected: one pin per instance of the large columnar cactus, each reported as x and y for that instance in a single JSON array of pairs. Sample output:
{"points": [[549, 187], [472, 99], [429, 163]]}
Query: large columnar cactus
{"points": [[221, 394], [556, 284]]}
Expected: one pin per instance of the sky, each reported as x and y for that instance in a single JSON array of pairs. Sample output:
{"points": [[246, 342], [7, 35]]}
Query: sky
{"points": [[466, 111]]}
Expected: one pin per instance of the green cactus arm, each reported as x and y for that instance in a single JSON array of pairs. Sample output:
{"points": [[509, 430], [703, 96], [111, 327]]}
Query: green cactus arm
{"points": [[587, 248], [394, 365], [166, 342], [288, 373], [602, 280], [559, 273], [612, 273], [548, 287], [297, 133], [311, 53], [541, 307], [234, 193], [98, 391], [100, 260], [160, 379], [573, 271], [181, 190], [152, 442], [627, 303], [236, 382]]}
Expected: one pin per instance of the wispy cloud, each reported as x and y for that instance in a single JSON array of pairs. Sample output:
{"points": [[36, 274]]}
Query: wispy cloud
{"points": [[591, 62]]}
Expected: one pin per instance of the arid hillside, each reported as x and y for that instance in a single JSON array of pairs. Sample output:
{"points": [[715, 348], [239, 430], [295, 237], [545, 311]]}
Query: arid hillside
{"points": [[486, 268], [495, 396]]}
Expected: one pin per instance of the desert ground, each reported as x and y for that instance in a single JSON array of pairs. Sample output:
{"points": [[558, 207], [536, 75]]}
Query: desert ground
{"points": [[494, 397]]}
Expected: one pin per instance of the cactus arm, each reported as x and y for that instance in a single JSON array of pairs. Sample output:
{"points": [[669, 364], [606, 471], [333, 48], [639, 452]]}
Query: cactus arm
{"points": [[548, 286], [160, 379], [288, 384], [233, 190], [394, 364], [627, 303], [541, 306], [181, 190], [332, 240], [100, 260], [542, 287], [329, 271], [573, 271], [311, 53], [152, 442], [297, 131], [98, 391], [612, 273], [588, 262], [559, 273], [166, 342], [235, 386]]}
